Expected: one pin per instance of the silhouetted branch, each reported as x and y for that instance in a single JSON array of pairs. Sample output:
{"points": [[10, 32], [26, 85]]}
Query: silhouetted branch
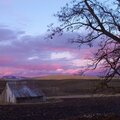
{"points": [[102, 26]]}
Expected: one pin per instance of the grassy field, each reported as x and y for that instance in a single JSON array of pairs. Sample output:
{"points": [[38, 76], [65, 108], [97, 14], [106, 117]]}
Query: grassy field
{"points": [[70, 86], [61, 87], [104, 108]]}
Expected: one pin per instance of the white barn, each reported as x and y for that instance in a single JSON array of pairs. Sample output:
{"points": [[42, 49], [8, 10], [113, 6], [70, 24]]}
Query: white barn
{"points": [[19, 92]]}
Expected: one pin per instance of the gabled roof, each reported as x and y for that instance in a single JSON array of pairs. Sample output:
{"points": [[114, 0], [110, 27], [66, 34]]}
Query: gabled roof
{"points": [[23, 90]]}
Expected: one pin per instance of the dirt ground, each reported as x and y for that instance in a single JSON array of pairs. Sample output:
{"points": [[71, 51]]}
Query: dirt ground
{"points": [[107, 108]]}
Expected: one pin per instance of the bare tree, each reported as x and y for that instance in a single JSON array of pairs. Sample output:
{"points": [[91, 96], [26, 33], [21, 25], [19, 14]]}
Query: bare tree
{"points": [[103, 27]]}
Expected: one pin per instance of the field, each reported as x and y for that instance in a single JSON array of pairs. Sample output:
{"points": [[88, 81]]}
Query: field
{"points": [[92, 108], [68, 109], [73, 86]]}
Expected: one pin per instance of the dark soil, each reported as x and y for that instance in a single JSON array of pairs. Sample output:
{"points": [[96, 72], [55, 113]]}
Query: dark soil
{"points": [[68, 109]]}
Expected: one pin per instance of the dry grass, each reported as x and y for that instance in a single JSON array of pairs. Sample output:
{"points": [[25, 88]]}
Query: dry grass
{"points": [[69, 86], [66, 77]]}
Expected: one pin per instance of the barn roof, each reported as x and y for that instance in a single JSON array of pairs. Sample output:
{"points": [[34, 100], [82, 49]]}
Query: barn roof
{"points": [[22, 90]]}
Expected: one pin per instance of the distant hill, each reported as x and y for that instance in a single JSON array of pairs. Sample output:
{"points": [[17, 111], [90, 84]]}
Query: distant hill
{"points": [[12, 77], [65, 77]]}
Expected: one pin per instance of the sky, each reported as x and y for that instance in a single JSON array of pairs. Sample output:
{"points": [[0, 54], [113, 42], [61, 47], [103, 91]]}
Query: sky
{"points": [[24, 49]]}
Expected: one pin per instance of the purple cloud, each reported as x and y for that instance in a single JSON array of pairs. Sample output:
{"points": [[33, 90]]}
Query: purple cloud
{"points": [[8, 34], [27, 55]]}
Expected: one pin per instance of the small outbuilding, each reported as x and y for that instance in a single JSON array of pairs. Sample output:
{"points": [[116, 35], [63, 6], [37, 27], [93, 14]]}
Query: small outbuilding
{"points": [[20, 92]]}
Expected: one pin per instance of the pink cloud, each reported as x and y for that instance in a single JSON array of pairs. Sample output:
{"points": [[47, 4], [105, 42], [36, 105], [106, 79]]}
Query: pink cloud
{"points": [[43, 66], [72, 71], [31, 55], [8, 70], [6, 60]]}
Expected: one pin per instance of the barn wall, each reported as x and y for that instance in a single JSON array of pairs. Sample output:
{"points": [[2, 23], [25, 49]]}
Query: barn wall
{"points": [[7, 96], [10, 98]]}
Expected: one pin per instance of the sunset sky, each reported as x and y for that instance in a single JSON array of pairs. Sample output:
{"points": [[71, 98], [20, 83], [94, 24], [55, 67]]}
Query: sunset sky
{"points": [[24, 51]]}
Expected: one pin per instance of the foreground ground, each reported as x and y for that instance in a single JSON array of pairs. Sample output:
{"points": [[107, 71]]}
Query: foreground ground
{"points": [[104, 108], [77, 108]]}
